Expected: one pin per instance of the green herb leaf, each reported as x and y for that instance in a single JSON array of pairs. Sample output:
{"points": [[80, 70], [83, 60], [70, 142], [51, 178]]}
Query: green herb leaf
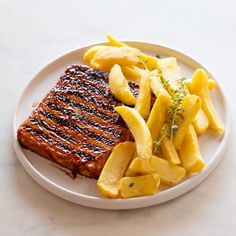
{"points": [[170, 126]]}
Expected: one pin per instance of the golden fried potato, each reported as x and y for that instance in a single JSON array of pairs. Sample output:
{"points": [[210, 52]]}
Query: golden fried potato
{"points": [[200, 122], [170, 70], [199, 86], [134, 73], [169, 152], [158, 114], [191, 105], [211, 83], [170, 174], [143, 103], [190, 155], [139, 130], [114, 169], [120, 87], [155, 83], [90, 53], [114, 42], [123, 56], [139, 186]]}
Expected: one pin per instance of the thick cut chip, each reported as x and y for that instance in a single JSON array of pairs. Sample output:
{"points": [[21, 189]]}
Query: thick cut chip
{"points": [[199, 86], [113, 55], [114, 169], [90, 53], [139, 186], [134, 73], [170, 174], [169, 152], [200, 122], [191, 105], [143, 103], [120, 87], [211, 83], [155, 83], [114, 42], [170, 70], [190, 155], [139, 130], [158, 114]]}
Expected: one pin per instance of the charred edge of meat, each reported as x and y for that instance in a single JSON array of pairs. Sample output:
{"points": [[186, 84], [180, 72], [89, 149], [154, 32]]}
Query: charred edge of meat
{"points": [[96, 74]]}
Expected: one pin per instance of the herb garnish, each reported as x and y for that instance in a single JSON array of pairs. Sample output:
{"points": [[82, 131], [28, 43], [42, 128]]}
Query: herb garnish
{"points": [[175, 110], [143, 62]]}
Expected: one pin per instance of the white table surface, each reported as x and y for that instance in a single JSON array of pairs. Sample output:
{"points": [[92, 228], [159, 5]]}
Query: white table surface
{"points": [[32, 33]]}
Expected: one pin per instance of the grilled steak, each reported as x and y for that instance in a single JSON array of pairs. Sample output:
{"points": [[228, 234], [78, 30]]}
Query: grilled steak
{"points": [[75, 125]]}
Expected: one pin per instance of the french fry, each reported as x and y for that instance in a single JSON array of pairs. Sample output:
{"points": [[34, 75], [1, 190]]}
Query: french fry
{"points": [[101, 65], [109, 56], [90, 53], [158, 114], [200, 122], [199, 86], [170, 174], [150, 62], [172, 125], [191, 105], [120, 87], [190, 154], [143, 103], [139, 185], [168, 151], [211, 83], [155, 83], [155, 123], [134, 73], [114, 42], [114, 169], [139, 130], [170, 70]]}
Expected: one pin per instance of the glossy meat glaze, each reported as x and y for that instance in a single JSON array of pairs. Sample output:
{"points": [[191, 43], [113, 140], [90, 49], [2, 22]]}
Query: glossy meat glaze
{"points": [[75, 125]]}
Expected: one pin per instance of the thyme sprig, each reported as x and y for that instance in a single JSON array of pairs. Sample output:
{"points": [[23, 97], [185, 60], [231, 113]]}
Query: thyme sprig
{"points": [[175, 109], [143, 62], [164, 132], [170, 126], [166, 84]]}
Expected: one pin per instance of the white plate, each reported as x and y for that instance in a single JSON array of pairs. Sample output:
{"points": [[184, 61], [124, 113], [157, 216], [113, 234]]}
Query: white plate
{"points": [[83, 190]]}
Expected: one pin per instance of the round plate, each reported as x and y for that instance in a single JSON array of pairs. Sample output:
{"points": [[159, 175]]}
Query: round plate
{"points": [[83, 190]]}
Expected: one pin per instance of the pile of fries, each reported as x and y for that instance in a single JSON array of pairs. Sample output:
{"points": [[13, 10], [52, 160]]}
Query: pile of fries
{"points": [[165, 147]]}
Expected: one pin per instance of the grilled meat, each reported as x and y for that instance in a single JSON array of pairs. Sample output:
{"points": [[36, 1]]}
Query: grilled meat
{"points": [[75, 125]]}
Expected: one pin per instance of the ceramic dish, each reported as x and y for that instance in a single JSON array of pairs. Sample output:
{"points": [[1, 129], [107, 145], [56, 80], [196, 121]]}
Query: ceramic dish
{"points": [[83, 190]]}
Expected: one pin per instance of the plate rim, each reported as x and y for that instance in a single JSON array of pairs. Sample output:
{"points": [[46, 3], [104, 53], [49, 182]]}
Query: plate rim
{"points": [[118, 204]]}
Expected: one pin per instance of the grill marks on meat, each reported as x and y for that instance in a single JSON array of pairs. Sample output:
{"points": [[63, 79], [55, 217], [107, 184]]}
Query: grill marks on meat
{"points": [[75, 125]]}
